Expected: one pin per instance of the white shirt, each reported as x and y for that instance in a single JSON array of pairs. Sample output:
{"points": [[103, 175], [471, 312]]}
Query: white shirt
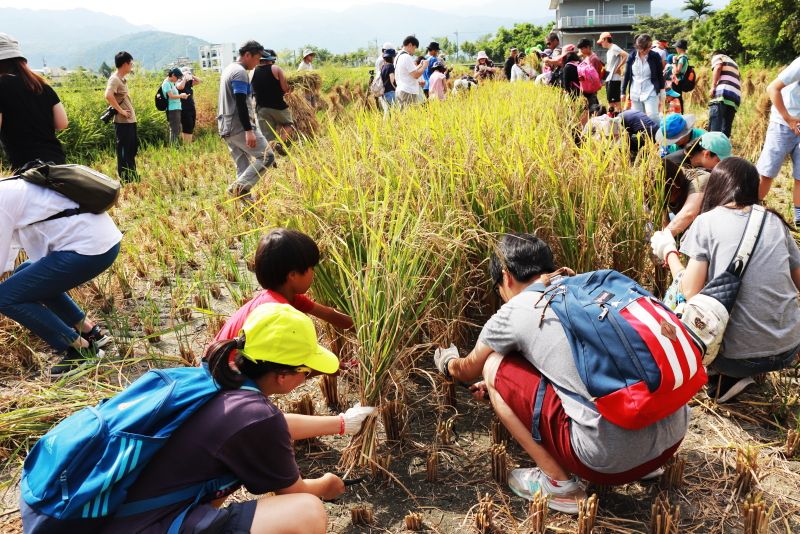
{"points": [[403, 67], [519, 74], [305, 66], [22, 204], [661, 52], [641, 84], [791, 93], [613, 61]]}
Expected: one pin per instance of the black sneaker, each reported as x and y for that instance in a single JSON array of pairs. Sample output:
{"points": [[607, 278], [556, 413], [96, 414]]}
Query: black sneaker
{"points": [[725, 388], [72, 358], [97, 336]]}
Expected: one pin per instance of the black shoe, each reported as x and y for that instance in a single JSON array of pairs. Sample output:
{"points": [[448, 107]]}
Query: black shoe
{"points": [[96, 336], [72, 358], [725, 388]]}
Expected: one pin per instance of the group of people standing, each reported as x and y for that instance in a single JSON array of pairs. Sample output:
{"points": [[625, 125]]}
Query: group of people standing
{"points": [[409, 79]]}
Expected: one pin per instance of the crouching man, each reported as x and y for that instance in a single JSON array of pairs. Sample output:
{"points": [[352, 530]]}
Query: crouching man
{"points": [[522, 345]]}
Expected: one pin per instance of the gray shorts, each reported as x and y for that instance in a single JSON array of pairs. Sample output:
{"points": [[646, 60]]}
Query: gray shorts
{"points": [[406, 99], [236, 518], [780, 143], [754, 366], [270, 120]]}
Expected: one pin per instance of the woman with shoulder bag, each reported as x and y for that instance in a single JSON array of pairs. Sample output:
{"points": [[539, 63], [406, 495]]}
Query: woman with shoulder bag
{"points": [[63, 253], [643, 84], [763, 332]]}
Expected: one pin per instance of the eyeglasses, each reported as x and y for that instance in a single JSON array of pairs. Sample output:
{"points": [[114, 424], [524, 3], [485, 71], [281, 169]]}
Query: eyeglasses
{"points": [[303, 369]]}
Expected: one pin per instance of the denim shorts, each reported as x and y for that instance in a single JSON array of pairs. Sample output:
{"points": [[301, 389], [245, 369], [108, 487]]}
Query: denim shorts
{"points": [[780, 143], [236, 518]]}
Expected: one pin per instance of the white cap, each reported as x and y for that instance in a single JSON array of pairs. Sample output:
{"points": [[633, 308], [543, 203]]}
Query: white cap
{"points": [[387, 45]]}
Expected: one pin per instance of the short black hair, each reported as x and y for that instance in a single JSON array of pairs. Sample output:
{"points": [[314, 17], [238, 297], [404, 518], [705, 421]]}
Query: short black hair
{"points": [[281, 252], [253, 47], [719, 51], [596, 110], [411, 40], [694, 147], [584, 43], [553, 37], [524, 256], [121, 58]]}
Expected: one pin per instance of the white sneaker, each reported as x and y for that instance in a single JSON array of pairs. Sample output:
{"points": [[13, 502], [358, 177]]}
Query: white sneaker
{"points": [[653, 474], [563, 494]]}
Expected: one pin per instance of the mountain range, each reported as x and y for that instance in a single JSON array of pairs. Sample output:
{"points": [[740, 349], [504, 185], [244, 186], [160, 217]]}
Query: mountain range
{"points": [[79, 37]]}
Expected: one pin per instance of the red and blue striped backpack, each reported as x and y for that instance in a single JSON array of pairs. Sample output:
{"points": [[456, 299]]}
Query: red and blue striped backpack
{"points": [[638, 361]]}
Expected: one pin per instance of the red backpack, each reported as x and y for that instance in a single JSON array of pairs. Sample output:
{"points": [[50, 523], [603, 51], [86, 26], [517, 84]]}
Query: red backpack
{"points": [[589, 78]]}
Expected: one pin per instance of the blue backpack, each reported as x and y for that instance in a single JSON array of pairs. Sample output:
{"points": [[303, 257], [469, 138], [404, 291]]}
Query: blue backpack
{"points": [[636, 358], [77, 475]]}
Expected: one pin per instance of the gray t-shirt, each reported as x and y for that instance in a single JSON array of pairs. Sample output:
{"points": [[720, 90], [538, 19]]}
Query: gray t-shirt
{"points": [[234, 80], [599, 444], [765, 320], [613, 61]]}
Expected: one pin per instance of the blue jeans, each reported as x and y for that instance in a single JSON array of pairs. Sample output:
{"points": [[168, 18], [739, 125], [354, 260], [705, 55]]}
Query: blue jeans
{"points": [[754, 366], [35, 295]]}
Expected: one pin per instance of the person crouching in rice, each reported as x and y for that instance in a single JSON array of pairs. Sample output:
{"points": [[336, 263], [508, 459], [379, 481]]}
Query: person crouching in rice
{"points": [[523, 345]]}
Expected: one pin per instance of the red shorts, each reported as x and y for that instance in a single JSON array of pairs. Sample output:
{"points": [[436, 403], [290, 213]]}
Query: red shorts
{"points": [[517, 381]]}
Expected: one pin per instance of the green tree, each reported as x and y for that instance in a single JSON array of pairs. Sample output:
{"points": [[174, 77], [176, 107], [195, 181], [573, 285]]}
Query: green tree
{"points": [[323, 54], [104, 70], [469, 48], [448, 47], [698, 8], [720, 32], [770, 29], [663, 27]]}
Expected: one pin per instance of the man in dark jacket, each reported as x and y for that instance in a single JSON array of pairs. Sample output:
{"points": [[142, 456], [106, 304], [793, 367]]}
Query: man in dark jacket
{"points": [[512, 59]]}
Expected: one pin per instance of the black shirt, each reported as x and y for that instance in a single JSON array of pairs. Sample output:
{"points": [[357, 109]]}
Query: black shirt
{"points": [[508, 66], [267, 88], [188, 90], [571, 83], [28, 131], [386, 71]]}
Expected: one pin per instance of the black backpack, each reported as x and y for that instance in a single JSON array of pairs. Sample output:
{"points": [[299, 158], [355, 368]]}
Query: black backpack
{"points": [[94, 192], [161, 100], [688, 82]]}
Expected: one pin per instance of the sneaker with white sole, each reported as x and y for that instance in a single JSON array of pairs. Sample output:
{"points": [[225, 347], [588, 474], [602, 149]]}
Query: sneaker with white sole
{"points": [[97, 336], [725, 388], [563, 494], [652, 475], [73, 358]]}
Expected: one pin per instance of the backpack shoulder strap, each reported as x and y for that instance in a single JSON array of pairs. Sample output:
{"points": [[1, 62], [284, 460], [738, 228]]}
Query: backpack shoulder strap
{"points": [[752, 232]]}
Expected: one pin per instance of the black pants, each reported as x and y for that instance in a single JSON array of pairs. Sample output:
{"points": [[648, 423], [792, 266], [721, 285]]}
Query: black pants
{"points": [[127, 146], [720, 117]]}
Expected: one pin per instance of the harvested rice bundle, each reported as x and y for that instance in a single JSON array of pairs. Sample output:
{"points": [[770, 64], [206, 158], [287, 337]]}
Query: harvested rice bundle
{"points": [[304, 114]]}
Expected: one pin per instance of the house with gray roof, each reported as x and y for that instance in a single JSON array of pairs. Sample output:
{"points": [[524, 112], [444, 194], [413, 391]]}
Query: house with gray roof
{"points": [[576, 19]]}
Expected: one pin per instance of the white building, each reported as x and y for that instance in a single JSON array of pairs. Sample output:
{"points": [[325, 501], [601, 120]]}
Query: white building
{"points": [[218, 56]]}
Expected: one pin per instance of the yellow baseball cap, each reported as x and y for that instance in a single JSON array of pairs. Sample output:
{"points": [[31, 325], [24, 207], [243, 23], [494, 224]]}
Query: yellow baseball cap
{"points": [[279, 333]]}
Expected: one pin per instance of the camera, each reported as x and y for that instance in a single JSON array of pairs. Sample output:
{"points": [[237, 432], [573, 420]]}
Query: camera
{"points": [[108, 114]]}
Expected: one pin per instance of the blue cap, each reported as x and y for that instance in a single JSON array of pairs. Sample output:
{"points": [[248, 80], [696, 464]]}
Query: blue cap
{"points": [[673, 93], [673, 127]]}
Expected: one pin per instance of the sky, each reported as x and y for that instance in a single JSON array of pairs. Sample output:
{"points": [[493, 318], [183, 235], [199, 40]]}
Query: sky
{"points": [[182, 15]]}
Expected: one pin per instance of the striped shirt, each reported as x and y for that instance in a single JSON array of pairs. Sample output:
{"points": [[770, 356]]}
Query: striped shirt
{"points": [[729, 86]]}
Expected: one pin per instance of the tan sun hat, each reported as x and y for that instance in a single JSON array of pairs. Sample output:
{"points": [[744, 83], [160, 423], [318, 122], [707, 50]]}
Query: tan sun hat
{"points": [[9, 47]]}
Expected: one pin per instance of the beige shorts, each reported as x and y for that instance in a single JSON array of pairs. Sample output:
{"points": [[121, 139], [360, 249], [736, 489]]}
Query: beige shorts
{"points": [[270, 120]]}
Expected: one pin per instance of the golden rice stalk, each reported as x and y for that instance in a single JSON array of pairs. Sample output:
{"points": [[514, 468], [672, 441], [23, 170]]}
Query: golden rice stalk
{"points": [[499, 432], [537, 513], [448, 393], [380, 467], [393, 417], [329, 386], [444, 431], [663, 519], [755, 515], [746, 469], [499, 464], [484, 517], [587, 512], [413, 521], [362, 515], [792, 443], [673, 473], [432, 467], [304, 405]]}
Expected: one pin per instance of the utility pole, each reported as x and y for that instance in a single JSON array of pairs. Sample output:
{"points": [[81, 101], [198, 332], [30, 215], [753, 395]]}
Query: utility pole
{"points": [[458, 48]]}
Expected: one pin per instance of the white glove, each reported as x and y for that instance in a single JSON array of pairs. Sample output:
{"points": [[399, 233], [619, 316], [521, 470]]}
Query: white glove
{"points": [[353, 419], [663, 243], [441, 357]]}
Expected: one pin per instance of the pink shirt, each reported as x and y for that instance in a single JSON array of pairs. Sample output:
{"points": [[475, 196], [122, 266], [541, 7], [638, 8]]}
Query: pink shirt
{"points": [[234, 324], [438, 85]]}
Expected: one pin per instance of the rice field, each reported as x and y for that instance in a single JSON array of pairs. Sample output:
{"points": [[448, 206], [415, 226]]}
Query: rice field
{"points": [[405, 211]]}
